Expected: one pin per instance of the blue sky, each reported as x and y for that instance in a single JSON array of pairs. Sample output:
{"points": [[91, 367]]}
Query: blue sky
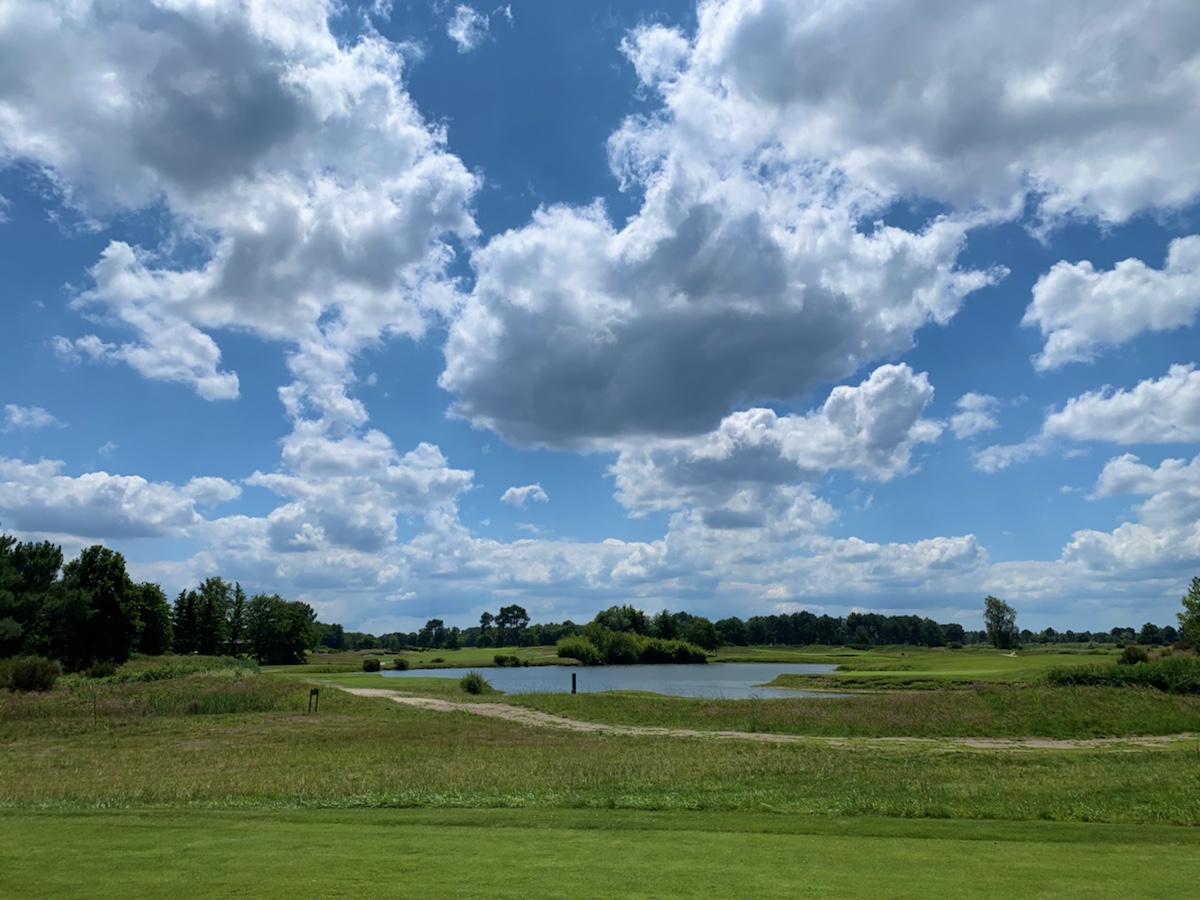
{"points": [[414, 310]]}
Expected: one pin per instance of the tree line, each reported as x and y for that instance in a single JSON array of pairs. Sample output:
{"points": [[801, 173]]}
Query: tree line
{"points": [[511, 627], [88, 611]]}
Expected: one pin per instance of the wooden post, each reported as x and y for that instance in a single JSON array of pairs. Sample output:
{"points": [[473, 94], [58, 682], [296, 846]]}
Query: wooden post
{"points": [[314, 699], [572, 682]]}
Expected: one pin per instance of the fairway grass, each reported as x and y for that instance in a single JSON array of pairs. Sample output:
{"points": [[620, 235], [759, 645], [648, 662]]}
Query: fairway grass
{"points": [[571, 853]]}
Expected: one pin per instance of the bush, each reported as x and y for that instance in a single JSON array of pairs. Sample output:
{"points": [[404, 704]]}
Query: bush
{"points": [[474, 683], [400, 664], [438, 659], [371, 664], [32, 673], [1132, 655], [579, 648], [105, 669]]}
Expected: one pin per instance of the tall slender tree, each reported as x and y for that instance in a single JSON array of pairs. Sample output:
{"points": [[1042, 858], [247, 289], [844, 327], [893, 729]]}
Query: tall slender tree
{"points": [[236, 621]]}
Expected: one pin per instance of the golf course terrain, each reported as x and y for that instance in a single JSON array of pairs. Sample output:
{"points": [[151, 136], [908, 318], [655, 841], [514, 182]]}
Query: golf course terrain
{"points": [[946, 773]]}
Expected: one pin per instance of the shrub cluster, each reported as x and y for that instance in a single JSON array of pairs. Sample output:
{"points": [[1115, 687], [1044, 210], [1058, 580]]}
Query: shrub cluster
{"points": [[371, 664], [474, 683], [1132, 655], [1177, 675], [600, 646], [29, 673], [501, 660], [400, 664], [103, 669]]}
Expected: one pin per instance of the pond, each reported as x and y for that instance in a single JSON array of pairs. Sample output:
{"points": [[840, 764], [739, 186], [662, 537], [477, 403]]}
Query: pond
{"points": [[732, 681]]}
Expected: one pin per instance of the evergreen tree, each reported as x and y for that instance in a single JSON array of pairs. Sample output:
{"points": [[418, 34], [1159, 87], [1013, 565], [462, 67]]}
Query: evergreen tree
{"points": [[185, 622], [155, 615], [211, 611]]}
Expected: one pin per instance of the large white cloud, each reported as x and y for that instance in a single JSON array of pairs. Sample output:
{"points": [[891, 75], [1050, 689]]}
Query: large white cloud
{"points": [[1162, 541], [1081, 311], [722, 290], [346, 491], [748, 273], [1092, 107], [307, 200], [37, 497], [1155, 411], [752, 470]]}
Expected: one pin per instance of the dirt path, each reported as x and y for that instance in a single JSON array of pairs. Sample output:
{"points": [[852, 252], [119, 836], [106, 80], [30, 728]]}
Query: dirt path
{"points": [[537, 719]]}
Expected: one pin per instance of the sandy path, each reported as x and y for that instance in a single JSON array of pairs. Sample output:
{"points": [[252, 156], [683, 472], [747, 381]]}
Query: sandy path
{"points": [[537, 719]]}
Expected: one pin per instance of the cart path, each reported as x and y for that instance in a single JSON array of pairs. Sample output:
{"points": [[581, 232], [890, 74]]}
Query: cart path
{"points": [[536, 719]]}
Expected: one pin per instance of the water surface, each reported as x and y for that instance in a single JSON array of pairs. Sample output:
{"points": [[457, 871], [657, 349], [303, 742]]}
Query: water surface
{"points": [[732, 681]]}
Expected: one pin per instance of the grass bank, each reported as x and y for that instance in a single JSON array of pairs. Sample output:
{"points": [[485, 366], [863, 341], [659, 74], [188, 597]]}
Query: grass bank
{"points": [[990, 711]]}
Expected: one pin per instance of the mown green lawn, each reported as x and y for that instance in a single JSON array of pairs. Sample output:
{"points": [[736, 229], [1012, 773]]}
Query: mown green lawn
{"points": [[579, 853]]}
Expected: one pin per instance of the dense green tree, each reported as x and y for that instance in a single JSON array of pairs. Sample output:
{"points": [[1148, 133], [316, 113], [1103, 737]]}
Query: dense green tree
{"points": [[701, 632], [664, 626], [28, 577], [184, 622], [331, 636], [279, 631], [1150, 634], [212, 610], [510, 617], [154, 613], [1000, 622], [624, 618], [433, 634], [113, 625], [1189, 619]]}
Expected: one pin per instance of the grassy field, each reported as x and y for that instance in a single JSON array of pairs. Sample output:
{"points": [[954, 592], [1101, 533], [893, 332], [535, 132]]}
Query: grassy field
{"points": [[914, 669], [220, 782], [998, 712], [609, 854]]}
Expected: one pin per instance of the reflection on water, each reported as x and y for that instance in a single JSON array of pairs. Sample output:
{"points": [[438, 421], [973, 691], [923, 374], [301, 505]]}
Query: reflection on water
{"points": [[733, 681]]}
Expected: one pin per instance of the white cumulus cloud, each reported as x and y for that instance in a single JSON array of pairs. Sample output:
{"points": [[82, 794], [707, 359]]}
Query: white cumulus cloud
{"points": [[1155, 411], [307, 200], [757, 467], [976, 414], [37, 497], [1081, 311], [519, 496]]}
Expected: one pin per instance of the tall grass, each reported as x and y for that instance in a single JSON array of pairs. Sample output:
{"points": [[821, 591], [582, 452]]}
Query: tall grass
{"points": [[1174, 675], [360, 752]]}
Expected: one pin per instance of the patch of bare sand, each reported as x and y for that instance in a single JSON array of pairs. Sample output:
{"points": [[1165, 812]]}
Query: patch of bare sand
{"points": [[537, 719]]}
